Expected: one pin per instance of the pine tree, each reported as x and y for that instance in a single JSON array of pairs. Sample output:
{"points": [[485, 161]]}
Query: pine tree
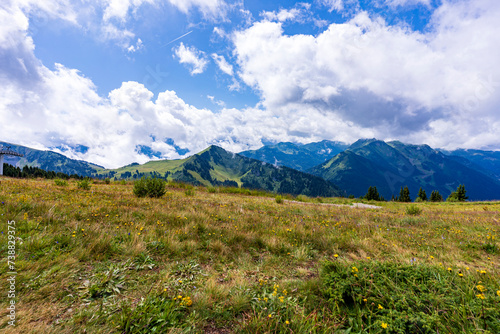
{"points": [[436, 196], [458, 195], [422, 195], [404, 194], [372, 194]]}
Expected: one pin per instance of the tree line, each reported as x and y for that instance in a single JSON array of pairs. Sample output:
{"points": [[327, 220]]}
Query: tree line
{"points": [[34, 172], [459, 195]]}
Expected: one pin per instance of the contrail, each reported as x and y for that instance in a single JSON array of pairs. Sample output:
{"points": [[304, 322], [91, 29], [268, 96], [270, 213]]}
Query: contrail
{"points": [[177, 38]]}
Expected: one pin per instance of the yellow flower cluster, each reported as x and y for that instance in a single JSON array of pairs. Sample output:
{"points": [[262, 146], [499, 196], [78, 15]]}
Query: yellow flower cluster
{"points": [[185, 301]]}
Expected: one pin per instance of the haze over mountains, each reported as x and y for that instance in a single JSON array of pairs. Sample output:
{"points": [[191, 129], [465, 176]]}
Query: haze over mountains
{"points": [[317, 169]]}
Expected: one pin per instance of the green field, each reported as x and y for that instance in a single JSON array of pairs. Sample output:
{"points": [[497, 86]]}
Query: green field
{"points": [[205, 261]]}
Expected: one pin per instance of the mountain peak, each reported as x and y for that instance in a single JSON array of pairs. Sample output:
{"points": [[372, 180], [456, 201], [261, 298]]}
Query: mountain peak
{"points": [[362, 142]]}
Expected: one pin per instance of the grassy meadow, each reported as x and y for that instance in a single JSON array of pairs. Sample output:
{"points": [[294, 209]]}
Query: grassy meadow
{"points": [[205, 260]]}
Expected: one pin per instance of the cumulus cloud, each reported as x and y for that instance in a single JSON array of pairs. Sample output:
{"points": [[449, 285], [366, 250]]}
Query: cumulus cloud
{"points": [[389, 79], [192, 58]]}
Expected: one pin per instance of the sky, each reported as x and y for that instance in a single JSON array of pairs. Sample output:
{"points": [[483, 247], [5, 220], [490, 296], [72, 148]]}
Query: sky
{"points": [[120, 81]]}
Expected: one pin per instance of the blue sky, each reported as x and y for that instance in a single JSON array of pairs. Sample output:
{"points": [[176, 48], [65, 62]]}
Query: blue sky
{"points": [[174, 76]]}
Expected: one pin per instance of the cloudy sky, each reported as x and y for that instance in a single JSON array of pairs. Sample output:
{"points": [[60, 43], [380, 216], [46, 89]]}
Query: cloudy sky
{"points": [[118, 81]]}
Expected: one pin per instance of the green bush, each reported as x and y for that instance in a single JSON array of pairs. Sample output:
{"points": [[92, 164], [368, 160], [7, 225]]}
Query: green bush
{"points": [[212, 190], [413, 210], [60, 182], [83, 184], [279, 199], [149, 187], [107, 180]]}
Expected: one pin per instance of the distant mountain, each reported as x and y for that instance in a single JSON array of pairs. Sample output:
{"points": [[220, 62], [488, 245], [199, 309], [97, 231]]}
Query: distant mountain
{"points": [[48, 160], [297, 156], [215, 166], [486, 161], [388, 166]]}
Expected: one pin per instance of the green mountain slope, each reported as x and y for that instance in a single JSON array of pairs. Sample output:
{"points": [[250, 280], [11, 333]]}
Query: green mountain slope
{"points": [[215, 166], [297, 156], [50, 161], [486, 161], [388, 166]]}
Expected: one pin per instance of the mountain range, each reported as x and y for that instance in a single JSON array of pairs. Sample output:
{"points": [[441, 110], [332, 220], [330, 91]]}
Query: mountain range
{"points": [[392, 165], [325, 168], [216, 166], [49, 160], [297, 156]]}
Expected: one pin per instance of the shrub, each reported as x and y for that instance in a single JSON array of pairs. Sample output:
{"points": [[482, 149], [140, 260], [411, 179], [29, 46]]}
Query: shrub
{"points": [[149, 187], [83, 184], [279, 199], [62, 183], [413, 210], [107, 180], [212, 190], [189, 192]]}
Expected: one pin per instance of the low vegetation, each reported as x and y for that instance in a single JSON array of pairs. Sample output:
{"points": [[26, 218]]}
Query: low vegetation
{"points": [[216, 261]]}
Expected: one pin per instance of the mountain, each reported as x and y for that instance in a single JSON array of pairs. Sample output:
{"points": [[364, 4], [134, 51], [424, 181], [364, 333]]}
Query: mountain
{"points": [[297, 156], [216, 166], [486, 161], [49, 160], [389, 166]]}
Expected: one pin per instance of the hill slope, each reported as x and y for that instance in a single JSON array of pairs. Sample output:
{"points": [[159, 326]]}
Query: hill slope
{"points": [[49, 160], [388, 166], [215, 166], [296, 156]]}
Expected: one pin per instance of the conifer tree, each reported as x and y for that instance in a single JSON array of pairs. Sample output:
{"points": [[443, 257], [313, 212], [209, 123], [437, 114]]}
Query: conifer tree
{"points": [[404, 194], [422, 195], [436, 196]]}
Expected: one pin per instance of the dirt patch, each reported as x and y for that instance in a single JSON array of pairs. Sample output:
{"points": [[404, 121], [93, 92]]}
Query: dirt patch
{"points": [[354, 205]]}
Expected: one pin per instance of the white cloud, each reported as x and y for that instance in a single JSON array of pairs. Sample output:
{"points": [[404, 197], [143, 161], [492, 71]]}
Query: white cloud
{"points": [[220, 103], [223, 65], [119, 8], [400, 3], [283, 15], [138, 45], [211, 9], [191, 57], [387, 79], [333, 5]]}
